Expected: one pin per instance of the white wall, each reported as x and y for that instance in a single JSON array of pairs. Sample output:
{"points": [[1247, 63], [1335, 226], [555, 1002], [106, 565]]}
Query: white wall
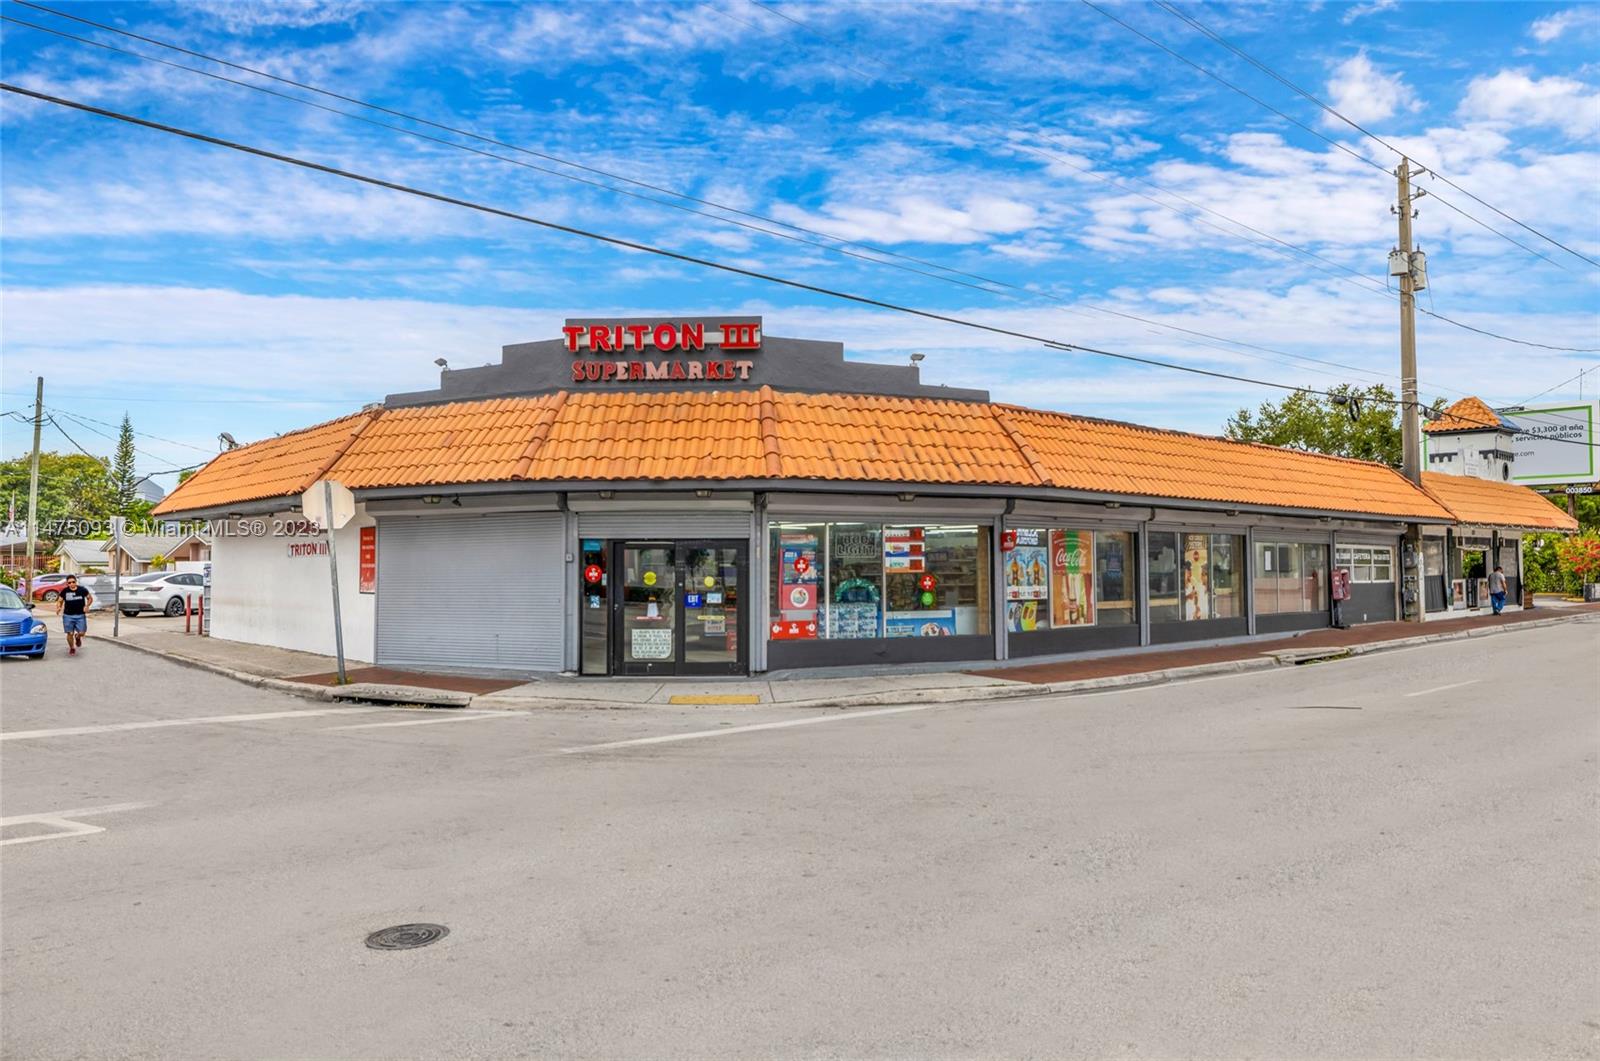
{"points": [[262, 595]]}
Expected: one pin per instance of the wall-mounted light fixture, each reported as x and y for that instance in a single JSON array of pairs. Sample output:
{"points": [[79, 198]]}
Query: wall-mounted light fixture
{"points": [[607, 495], [1113, 504], [442, 363], [906, 496], [917, 359], [702, 493], [1230, 512], [431, 499]]}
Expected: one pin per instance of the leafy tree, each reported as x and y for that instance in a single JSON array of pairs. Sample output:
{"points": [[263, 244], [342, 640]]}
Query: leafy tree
{"points": [[1319, 424], [1541, 559], [123, 478], [183, 475], [71, 487], [1580, 558]]}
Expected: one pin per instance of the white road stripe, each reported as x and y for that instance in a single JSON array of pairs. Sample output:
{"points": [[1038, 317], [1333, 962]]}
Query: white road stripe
{"points": [[431, 721], [699, 734], [1442, 688], [124, 727], [63, 821]]}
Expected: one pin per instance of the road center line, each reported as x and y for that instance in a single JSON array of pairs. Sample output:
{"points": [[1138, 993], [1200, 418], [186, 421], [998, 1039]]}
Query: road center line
{"points": [[432, 721], [124, 727], [1442, 688], [702, 733]]}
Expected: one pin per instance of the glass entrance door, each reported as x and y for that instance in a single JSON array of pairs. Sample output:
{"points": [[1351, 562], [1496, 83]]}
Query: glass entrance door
{"points": [[647, 609], [712, 609], [677, 608]]}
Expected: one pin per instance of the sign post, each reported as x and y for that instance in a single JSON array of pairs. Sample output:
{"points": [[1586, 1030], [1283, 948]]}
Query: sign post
{"points": [[116, 574], [332, 505]]}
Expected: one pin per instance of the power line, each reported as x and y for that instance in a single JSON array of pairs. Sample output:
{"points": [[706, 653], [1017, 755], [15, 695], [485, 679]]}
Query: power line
{"points": [[1354, 276], [142, 434], [616, 241], [1169, 8], [1019, 289], [186, 400]]}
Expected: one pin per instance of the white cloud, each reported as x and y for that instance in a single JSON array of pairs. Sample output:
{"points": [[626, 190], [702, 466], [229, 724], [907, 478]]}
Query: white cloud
{"points": [[1356, 11], [1513, 97], [1363, 93], [1551, 27], [243, 16], [919, 219]]}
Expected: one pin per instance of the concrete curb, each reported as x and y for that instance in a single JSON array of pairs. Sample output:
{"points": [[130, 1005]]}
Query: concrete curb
{"points": [[1010, 690]]}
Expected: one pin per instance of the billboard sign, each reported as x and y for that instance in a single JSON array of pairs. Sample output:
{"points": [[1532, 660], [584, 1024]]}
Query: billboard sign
{"points": [[1555, 443]]}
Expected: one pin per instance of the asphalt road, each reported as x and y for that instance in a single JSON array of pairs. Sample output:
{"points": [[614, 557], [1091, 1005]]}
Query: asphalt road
{"points": [[1358, 859]]}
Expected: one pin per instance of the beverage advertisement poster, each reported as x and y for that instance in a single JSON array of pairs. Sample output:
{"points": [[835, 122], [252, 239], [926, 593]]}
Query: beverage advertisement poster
{"points": [[1072, 572], [1196, 576], [1023, 616], [903, 549], [1027, 568], [937, 623]]}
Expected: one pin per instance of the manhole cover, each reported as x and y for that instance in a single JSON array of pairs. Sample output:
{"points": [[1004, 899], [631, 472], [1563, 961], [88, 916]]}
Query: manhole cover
{"points": [[406, 937]]}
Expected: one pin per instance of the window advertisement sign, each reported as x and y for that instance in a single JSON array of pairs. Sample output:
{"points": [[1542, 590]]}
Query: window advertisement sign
{"points": [[1027, 580], [940, 623], [855, 566], [904, 549], [1072, 575], [1196, 576], [797, 587]]}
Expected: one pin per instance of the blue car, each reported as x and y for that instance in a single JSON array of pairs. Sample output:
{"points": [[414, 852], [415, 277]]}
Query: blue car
{"points": [[20, 633]]}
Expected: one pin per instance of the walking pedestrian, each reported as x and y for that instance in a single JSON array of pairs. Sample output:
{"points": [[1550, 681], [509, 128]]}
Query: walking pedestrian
{"points": [[73, 607], [1497, 588]]}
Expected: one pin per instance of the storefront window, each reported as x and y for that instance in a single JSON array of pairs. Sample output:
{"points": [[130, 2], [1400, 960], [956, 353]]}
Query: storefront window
{"points": [[1367, 563], [1227, 576], [936, 580], [1161, 563], [855, 580], [1291, 577], [1113, 567], [846, 581], [1029, 580]]}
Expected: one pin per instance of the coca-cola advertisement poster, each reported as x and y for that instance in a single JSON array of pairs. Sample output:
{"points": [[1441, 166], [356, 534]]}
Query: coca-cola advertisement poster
{"points": [[1072, 578]]}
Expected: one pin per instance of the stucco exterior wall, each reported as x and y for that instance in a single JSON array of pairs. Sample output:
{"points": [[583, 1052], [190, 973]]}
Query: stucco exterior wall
{"points": [[262, 595]]}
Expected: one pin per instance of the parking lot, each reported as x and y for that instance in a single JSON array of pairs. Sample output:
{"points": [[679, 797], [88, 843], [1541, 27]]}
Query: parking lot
{"points": [[1391, 855]]}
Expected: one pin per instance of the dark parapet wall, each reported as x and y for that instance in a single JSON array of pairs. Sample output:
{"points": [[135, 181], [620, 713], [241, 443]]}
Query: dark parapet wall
{"points": [[676, 354]]}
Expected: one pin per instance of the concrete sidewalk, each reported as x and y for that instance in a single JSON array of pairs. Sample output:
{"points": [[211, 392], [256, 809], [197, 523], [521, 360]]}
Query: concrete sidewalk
{"points": [[307, 674]]}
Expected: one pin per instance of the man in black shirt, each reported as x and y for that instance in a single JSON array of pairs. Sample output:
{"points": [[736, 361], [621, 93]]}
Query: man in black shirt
{"points": [[73, 607]]}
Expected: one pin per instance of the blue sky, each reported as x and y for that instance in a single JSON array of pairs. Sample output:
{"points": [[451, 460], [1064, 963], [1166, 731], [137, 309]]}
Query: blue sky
{"points": [[1041, 145]]}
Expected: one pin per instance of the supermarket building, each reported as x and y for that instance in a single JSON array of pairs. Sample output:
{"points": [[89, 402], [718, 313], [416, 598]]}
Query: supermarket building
{"points": [[695, 497]]}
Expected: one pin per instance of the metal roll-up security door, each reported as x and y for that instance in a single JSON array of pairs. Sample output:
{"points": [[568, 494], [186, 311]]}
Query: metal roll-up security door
{"points": [[471, 591], [665, 526]]}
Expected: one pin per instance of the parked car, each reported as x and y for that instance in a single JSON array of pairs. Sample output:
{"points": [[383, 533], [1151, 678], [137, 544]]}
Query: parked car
{"points": [[20, 633], [48, 587], [159, 591]]}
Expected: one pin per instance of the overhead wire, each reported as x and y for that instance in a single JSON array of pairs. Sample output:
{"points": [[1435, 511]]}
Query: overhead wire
{"points": [[1355, 276], [1270, 72], [1020, 290], [617, 241]]}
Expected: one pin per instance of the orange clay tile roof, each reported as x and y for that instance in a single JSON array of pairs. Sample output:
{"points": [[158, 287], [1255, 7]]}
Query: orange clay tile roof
{"points": [[273, 467], [1469, 414], [1488, 503], [764, 434]]}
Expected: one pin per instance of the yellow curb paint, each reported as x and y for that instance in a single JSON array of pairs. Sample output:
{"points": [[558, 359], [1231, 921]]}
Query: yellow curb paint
{"points": [[731, 698]]}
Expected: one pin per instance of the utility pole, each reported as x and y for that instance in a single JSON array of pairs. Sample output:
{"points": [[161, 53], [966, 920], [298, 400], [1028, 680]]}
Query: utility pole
{"points": [[1405, 265], [33, 484], [1410, 421]]}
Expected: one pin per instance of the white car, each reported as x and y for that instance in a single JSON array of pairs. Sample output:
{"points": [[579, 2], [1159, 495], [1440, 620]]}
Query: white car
{"points": [[160, 591]]}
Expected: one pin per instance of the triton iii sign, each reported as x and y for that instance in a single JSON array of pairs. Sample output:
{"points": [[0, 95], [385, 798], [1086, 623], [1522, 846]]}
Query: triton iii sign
{"points": [[605, 342]]}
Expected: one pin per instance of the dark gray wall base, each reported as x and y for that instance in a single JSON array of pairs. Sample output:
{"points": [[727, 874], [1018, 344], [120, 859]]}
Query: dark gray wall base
{"points": [[1370, 602], [1290, 622], [782, 655], [1197, 630], [1076, 639]]}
